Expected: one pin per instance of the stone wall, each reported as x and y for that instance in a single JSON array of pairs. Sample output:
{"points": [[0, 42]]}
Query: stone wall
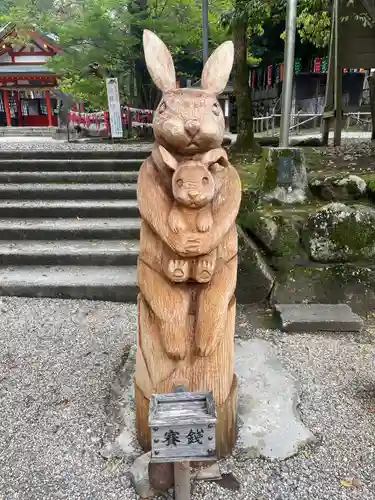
{"points": [[309, 240]]}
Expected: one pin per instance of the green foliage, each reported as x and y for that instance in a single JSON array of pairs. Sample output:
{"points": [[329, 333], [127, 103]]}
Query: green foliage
{"points": [[102, 37]]}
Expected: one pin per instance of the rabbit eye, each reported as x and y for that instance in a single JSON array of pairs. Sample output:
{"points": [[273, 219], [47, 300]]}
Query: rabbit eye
{"points": [[205, 180], [162, 107], [180, 183], [216, 109]]}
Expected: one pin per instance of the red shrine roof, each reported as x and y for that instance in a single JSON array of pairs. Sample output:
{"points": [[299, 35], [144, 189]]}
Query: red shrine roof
{"points": [[24, 58]]}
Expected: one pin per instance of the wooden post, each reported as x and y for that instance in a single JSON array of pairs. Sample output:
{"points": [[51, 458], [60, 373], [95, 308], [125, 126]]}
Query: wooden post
{"points": [[328, 104], [338, 77], [7, 108], [182, 481], [49, 107], [19, 109], [187, 266], [181, 469]]}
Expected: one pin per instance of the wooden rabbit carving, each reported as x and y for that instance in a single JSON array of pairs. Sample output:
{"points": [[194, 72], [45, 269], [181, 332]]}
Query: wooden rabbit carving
{"points": [[189, 197]]}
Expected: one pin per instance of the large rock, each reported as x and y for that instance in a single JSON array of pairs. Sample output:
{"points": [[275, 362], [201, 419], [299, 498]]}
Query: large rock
{"points": [[337, 188], [278, 235], [328, 284], [283, 176], [269, 424], [255, 278], [338, 232]]}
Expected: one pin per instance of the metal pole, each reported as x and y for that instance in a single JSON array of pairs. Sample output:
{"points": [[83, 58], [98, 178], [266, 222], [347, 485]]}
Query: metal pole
{"points": [[205, 30], [286, 99]]}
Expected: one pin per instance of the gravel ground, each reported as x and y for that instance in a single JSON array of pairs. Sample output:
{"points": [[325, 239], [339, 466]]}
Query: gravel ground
{"points": [[50, 144], [57, 360]]}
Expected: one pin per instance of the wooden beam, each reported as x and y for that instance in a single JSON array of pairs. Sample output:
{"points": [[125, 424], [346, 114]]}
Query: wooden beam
{"points": [[338, 76]]}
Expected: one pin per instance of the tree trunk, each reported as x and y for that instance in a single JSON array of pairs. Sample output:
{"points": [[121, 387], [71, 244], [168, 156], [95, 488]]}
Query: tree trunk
{"points": [[245, 133], [371, 83]]}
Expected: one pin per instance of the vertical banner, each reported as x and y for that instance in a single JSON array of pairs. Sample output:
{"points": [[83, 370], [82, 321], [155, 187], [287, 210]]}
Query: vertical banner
{"points": [[114, 107]]}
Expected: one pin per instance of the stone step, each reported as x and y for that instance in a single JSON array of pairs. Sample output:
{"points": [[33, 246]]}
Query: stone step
{"points": [[69, 252], [69, 208], [27, 131], [68, 177], [113, 283], [77, 191], [70, 228], [69, 164], [78, 153], [318, 317]]}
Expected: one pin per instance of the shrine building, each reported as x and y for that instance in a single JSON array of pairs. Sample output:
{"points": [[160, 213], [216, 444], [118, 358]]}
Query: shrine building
{"points": [[26, 83]]}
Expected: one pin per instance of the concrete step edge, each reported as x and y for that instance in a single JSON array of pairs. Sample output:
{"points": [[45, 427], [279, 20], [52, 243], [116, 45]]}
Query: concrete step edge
{"points": [[112, 283], [69, 247]]}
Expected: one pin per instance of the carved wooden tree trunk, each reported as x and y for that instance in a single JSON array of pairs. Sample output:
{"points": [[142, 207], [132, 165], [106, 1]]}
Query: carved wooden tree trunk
{"points": [[189, 197]]}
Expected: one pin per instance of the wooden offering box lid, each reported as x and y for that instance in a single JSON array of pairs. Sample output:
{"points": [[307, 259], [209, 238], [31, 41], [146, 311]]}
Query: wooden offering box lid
{"points": [[181, 408]]}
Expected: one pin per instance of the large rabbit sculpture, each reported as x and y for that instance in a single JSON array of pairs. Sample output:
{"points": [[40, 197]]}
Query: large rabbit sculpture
{"points": [[189, 197]]}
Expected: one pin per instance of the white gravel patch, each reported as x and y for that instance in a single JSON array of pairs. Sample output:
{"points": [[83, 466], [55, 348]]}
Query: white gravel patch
{"points": [[57, 361]]}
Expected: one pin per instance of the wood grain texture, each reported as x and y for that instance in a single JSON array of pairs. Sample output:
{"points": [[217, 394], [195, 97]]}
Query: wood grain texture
{"points": [[189, 196]]}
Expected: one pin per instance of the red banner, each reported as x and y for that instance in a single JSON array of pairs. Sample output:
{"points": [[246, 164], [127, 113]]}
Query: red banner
{"points": [[269, 76]]}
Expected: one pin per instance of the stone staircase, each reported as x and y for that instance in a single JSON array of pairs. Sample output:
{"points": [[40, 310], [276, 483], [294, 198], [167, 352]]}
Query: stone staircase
{"points": [[69, 224]]}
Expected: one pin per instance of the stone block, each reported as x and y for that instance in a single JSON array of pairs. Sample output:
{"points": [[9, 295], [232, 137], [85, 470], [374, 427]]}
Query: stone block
{"points": [[255, 278], [284, 176], [341, 233], [318, 317], [328, 284], [140, 476], [269, 423]]}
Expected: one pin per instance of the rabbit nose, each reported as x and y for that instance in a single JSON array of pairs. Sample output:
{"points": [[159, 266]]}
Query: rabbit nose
{"points": [[192, 127], [193, 194]]}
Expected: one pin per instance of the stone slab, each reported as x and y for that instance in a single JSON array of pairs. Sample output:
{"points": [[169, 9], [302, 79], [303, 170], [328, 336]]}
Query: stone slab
{"points": [[77, 176], [269, 423], [318, 317], [113, 283]]}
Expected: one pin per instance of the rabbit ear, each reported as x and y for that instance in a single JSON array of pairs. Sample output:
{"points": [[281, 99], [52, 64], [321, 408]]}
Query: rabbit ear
{"points": [[217, 155], [168, 159], [159, 62], [218, 67]]}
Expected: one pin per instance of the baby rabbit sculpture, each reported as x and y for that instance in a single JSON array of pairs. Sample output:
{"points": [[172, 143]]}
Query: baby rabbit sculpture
{"points": [[193, 188], [189, 196]]}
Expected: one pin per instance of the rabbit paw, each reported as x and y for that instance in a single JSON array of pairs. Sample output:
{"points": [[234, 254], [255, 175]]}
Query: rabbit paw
{"points": [[176, 223], [173, 341], [204, 222], [204, 269], [178, 270], [208, 334]]}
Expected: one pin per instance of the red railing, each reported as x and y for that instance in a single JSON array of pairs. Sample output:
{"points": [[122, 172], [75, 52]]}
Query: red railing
{"points": [[99, 124]]}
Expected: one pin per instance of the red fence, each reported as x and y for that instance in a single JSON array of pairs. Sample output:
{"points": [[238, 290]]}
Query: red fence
{"points": [[98, 124]]}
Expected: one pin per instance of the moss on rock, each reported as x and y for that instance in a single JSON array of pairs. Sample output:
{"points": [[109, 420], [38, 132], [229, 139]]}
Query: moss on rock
{"points": [[339, 187], [278, 235], [338, 232], [332, 284]]}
